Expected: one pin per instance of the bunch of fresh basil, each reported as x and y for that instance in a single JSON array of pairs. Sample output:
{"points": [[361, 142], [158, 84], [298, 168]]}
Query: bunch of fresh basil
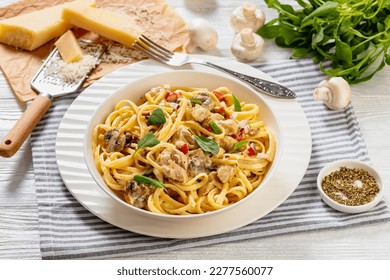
{"points": [[354, 35]]}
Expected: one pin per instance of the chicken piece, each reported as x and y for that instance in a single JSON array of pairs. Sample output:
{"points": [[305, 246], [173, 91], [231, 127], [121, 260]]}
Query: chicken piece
{"points": [[212, 118], [137, 194], [229, 125], [114, 140], [175, 156], [227, 143], [200, 113], [225, 173], [183, 136], [198, 162], [175, 172], [174, 164]]}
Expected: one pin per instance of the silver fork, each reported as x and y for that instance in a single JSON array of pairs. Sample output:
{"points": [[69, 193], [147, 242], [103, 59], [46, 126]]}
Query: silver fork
{"points": [[161, 54]]}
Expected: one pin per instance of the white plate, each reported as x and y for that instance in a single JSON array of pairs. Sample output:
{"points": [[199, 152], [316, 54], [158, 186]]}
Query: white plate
{"points": [[74, 172]]}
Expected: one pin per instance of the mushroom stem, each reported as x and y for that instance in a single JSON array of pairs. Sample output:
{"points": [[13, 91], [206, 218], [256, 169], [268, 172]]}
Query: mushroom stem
{"points": [[323, 93], [335, 92]]}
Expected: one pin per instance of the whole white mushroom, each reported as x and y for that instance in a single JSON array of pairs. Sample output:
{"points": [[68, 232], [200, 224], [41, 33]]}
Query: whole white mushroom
{"points": [[202, 35], [335, 92], [247, 46]]}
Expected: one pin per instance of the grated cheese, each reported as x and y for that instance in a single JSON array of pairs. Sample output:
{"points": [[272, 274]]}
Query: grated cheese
{"points": [[70, 73], [118, 53]]}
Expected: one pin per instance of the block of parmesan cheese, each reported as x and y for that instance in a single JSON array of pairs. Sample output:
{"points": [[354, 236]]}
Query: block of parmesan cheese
{"points": [[32, 30], [114, 26], [69, 47]]}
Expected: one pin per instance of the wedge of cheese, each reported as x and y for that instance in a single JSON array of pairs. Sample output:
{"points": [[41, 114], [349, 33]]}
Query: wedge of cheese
{"points": [[69, 48], [32, 30], [117, 27]]}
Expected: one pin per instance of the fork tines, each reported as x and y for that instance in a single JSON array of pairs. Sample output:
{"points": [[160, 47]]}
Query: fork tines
{"points": [[152, 49]]}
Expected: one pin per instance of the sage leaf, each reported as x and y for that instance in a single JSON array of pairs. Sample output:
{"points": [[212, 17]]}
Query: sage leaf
{"points": [[215, 127], [239, 145], [196, 101], [207, 144], [148, 181], [237, 105], [157, 117], [149, 140]]}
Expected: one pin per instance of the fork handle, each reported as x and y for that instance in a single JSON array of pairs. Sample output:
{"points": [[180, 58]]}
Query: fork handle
{"points": [[24, 126], [270, 88]]}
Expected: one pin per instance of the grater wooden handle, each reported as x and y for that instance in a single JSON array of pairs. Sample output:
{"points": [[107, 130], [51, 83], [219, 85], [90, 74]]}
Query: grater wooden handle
{"points": [[23, 127]]}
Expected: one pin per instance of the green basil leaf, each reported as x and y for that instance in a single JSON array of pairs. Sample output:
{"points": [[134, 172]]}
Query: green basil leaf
{"points": [[300, 52], [157, 117], [327, 9], [207, 144], [343, 52], [237, 105], [196, 101], [149, 140], [148, 181], [215, 127], [239, 145], [269, 31]]}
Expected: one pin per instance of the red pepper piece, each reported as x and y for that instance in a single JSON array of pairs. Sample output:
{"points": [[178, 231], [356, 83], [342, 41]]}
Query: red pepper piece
{"points": [[237, 137], [219, 96], [184, 149], [171, 97], [251, 152]]}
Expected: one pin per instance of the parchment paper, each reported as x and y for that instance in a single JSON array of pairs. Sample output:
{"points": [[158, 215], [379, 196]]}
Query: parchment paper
{"points": [[156, 19]]}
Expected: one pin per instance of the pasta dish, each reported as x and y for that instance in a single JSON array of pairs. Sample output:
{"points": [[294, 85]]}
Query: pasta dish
{"points": [[183, 151]]}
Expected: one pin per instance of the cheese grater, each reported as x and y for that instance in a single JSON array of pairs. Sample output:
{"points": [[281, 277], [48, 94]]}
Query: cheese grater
{"points": [[50, 83]]}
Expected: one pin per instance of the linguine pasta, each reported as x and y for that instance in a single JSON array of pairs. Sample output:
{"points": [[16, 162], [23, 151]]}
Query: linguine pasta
{"points": [[205, 149]]}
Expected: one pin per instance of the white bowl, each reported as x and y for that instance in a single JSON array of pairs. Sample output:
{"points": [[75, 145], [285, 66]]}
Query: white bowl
{"points": [[179, 78], [349, 163]]}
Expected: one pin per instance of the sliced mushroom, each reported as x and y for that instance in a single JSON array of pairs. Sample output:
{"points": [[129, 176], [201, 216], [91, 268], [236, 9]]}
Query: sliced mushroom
{"points": [[137, 194], [114, 141], [206, 100], [181, 136], [198, 162]]}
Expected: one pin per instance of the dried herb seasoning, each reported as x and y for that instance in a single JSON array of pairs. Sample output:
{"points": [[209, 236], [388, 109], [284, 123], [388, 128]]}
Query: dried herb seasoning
{"points": [[350, 186]]}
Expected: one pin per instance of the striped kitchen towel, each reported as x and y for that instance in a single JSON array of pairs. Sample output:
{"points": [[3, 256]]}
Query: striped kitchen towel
{"points": [[68, 230]]}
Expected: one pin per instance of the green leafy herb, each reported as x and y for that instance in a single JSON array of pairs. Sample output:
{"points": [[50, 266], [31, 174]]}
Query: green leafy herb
{"points": [[239, 145], [196, 101], [157, 117], [149, 140], [207, 144], [354, 35], [215, 127], [237, 105], [149, 181]]}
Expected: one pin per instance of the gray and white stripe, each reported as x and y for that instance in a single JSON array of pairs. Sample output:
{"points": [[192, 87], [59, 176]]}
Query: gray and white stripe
{"points": [[68, 230]]}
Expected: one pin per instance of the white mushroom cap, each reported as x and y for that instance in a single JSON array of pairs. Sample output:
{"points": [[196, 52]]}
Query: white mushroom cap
{"points": [[247, 46], [334, 92], [201, 34]]}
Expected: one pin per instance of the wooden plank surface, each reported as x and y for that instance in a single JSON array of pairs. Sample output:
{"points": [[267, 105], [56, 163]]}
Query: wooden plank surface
{"points": [[19, 228]]}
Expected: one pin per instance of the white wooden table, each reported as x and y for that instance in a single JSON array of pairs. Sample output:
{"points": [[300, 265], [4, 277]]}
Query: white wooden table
{"points": [[19, 228]]}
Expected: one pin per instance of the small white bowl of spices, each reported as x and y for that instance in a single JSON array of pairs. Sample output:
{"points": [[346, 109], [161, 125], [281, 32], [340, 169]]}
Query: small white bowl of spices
{"points": [[350, 186]]}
